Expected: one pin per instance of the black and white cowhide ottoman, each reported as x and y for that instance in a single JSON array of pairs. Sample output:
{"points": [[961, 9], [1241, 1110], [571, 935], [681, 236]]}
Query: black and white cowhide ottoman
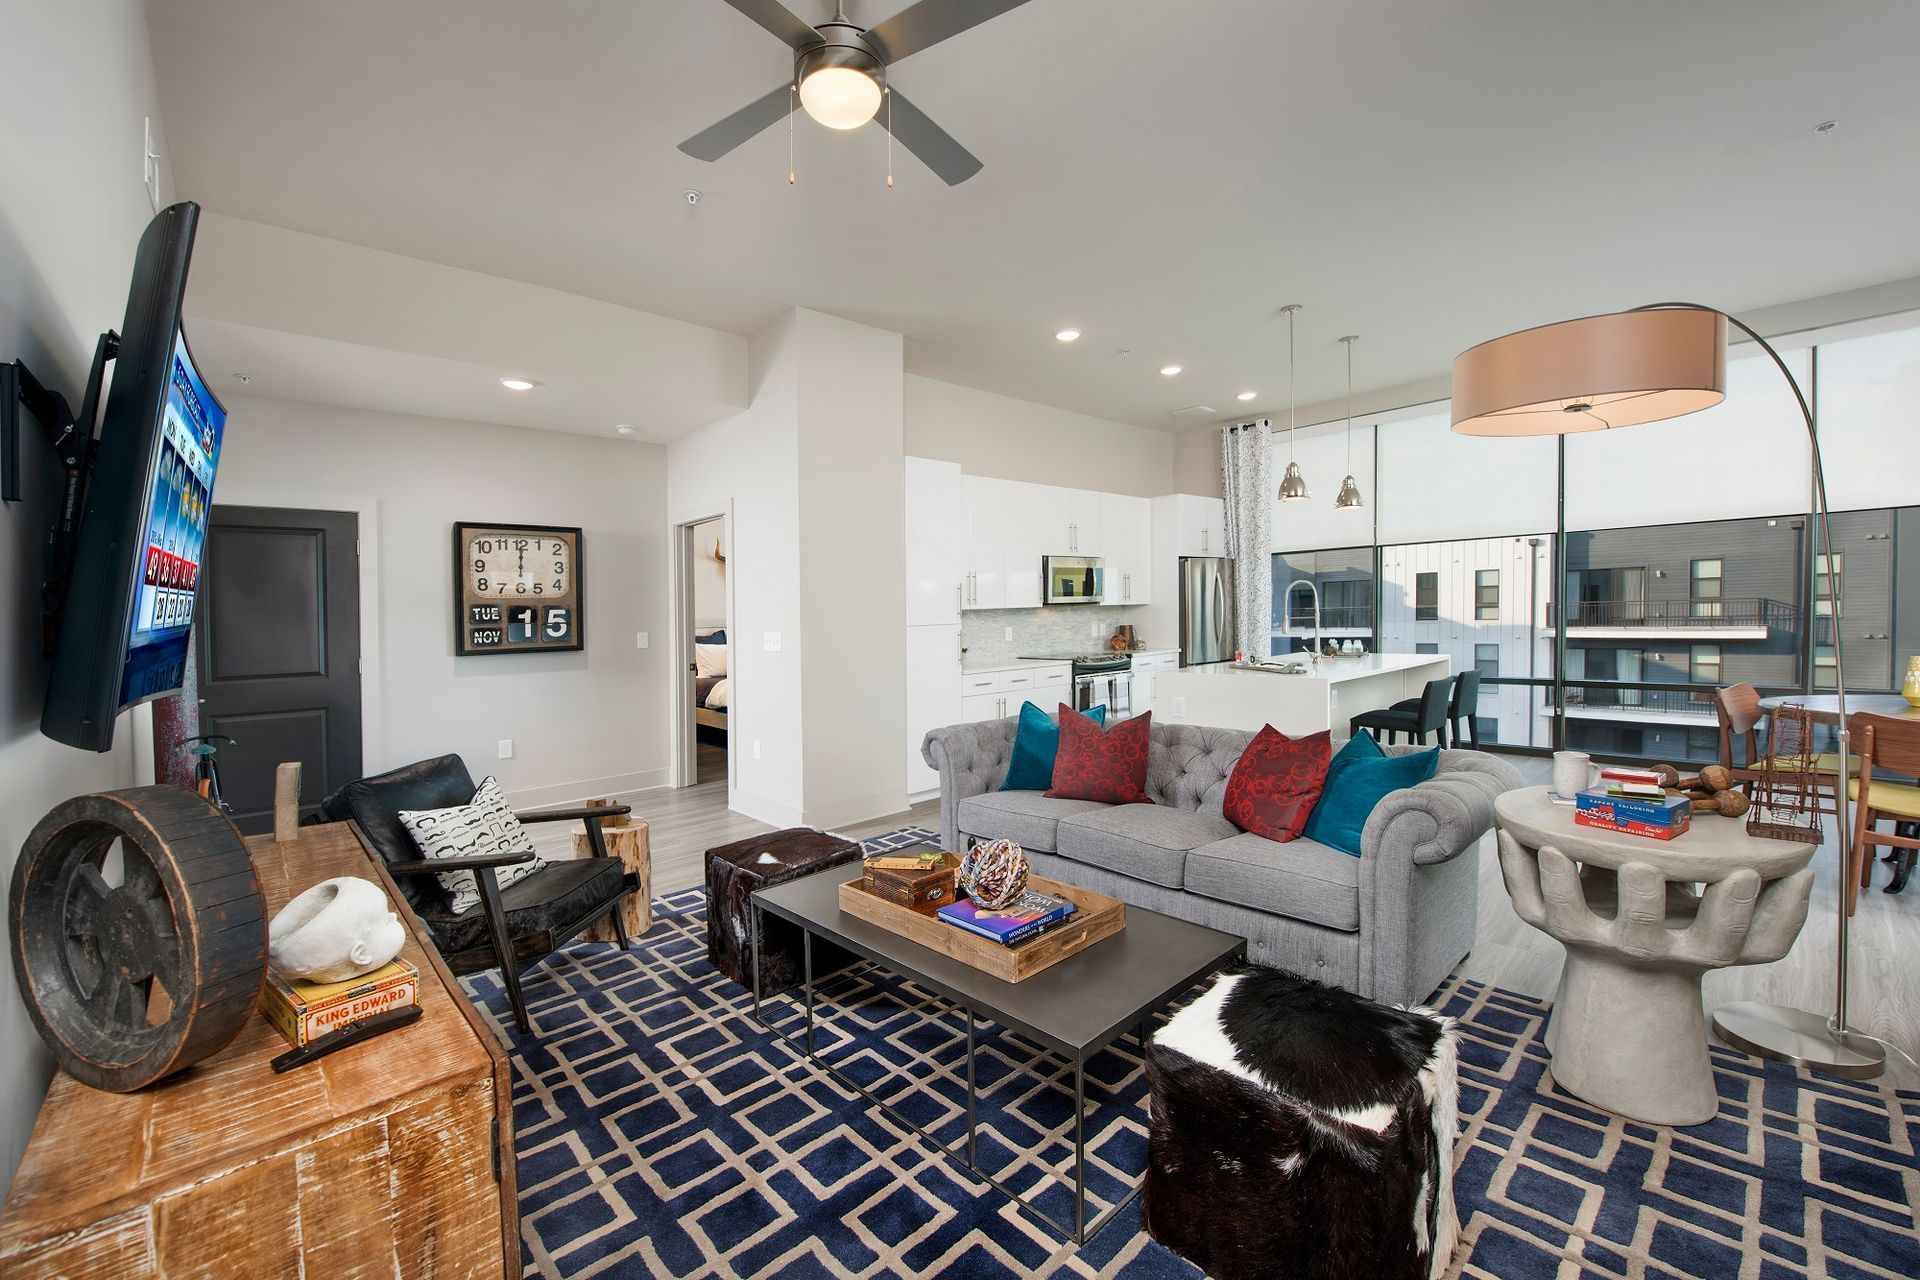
{"points": [[1301, 1132]]}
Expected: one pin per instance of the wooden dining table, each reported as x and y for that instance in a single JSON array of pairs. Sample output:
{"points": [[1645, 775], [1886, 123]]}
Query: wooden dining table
{"points": [[1825, 707]]}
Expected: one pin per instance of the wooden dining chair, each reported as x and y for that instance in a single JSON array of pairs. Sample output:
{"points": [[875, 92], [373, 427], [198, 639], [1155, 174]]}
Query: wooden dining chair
{"points": [[1891, 745], [1737, 708]]}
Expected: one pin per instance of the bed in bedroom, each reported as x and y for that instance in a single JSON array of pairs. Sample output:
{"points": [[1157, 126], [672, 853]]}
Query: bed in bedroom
{"points": [[710, 692]]}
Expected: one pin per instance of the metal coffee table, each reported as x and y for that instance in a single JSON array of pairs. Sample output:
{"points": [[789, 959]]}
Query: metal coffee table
{"points": [[1075, 1008]]}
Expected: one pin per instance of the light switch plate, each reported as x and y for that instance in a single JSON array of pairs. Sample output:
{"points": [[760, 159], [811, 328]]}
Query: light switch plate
{"points": [[1179, 709], [506, 748], [770, 641], [640, 639]]}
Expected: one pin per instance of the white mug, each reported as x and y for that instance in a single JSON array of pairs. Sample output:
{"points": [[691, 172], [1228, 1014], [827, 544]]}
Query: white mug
{"points": [[1573, 772]]}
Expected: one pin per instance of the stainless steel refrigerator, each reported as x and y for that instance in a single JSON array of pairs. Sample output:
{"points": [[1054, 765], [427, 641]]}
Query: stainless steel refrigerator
{"points": [[1206, 610]]}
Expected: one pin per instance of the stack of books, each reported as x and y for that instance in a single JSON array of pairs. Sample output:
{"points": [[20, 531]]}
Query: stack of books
{"points": [[1632, 784], [1029, 916], [1659, 816]]}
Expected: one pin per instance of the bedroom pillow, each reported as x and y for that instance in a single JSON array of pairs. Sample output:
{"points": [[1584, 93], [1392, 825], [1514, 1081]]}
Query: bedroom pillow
{"points": [[709, 660], [1036, 743], [717, 636], [1276, 781], [1359, 778], [483, 825], [717, 696], [1108, 765]]}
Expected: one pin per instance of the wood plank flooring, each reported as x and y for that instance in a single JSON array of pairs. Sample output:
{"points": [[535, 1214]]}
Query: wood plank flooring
{"points": [[1508, 952]]}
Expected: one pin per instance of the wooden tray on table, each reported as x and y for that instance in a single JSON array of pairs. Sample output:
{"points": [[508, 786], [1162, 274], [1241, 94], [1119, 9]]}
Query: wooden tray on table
{"points": [[1096, 917]]}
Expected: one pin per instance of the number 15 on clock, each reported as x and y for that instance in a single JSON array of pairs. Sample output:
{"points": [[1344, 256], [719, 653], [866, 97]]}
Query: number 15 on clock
{"points": [[549, 624]]}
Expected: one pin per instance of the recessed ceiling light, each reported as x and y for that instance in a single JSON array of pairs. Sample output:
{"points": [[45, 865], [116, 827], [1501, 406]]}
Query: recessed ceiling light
{"points": [[1068, 335], [1246, 395], [1826, 126], [242, 378], [518, 384], [1169, 370], [623, 429]]}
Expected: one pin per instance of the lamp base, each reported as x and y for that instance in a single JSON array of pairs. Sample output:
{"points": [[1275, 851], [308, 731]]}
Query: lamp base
{"points": [[1782, 1033]]}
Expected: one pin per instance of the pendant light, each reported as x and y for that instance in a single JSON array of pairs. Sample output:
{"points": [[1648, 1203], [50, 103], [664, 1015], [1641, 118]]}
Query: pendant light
{"points": [[1293, 485], [1349, 499]]}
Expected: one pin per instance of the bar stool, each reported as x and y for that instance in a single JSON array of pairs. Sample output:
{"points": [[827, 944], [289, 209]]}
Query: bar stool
{"points": [[1416, 720]]}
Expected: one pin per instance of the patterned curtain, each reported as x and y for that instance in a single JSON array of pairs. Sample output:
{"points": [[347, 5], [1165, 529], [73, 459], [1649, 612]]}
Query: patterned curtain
{"points": [[1246, 478]]}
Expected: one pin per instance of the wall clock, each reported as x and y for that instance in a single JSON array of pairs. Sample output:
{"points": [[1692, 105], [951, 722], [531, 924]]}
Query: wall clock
{"points": [[517, 588]]}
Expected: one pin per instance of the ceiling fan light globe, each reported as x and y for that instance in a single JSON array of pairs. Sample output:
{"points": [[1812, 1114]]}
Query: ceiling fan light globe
{"points": [[840, 97]]}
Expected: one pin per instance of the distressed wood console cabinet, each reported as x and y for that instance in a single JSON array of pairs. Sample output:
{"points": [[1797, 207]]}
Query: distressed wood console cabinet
{"points": [[392, 1157]]}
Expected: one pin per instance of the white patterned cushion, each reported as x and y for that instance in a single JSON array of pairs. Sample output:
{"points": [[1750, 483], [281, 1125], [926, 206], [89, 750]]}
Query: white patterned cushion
{"points": [[484, 825]]}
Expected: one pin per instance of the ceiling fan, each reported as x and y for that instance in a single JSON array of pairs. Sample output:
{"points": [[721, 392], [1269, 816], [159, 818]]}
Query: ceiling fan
{"points": [[840, 72]]}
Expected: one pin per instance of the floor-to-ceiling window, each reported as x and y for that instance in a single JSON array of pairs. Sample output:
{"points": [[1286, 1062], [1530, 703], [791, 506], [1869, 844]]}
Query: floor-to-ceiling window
{"points": [[1691, 558]]}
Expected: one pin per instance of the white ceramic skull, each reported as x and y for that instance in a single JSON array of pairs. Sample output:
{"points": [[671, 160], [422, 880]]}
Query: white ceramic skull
{"points": [[339, 929]]}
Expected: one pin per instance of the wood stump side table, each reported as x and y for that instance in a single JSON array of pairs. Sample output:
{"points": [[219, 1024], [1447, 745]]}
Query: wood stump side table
{"points": [[1628, 1032], [630, 845]]}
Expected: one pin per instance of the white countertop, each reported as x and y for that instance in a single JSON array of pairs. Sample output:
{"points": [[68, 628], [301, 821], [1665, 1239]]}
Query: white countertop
{"points": [[1330, 670], [985, 666]]}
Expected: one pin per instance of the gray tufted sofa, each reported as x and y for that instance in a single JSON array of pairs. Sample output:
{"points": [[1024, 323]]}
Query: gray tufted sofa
{"points": [[1389, 925]]}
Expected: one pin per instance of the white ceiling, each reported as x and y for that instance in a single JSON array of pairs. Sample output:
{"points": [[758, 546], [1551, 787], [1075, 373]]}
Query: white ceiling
{"points": [[1163, 176]]}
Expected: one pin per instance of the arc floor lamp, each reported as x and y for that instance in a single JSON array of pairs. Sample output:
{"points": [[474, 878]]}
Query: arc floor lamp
{"points": [[1645, 365]]}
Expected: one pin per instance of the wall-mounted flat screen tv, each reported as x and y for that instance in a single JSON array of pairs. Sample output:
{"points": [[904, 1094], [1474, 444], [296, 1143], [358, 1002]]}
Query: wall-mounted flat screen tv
{"points": [[129, 610]]}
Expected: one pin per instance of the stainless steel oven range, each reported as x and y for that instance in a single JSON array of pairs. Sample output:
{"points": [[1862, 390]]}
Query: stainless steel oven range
{"points": [[1099, 680]]}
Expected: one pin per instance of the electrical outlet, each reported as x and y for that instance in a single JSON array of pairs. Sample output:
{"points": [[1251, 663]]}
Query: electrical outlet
{"points": [[1009, 635], [756, 748], [770, 642], [640, 639], [1179, 708], [1093, 628], [506, 748]]}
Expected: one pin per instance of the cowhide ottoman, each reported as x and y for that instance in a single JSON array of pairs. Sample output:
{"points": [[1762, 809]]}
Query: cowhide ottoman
{"points": [[1300, 1132], [735, 871]]}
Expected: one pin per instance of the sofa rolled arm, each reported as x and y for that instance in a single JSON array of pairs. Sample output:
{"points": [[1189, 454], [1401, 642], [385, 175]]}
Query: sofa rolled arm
{"points": [[971, 760], [1442, 817]]}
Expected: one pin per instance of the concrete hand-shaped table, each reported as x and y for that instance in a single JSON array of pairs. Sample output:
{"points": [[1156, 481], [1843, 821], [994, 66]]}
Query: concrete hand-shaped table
{"points": [[1641, 920]]}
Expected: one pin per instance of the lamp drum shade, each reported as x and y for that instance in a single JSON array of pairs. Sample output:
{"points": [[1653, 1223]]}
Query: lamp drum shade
{"points": [[1616, 370]]}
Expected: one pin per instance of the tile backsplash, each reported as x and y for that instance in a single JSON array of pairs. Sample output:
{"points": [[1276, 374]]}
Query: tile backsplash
{"points": [[1063, 629]]}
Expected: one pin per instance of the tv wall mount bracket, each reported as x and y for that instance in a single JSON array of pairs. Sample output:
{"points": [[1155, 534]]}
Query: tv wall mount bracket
{"points": [[73, 438]]}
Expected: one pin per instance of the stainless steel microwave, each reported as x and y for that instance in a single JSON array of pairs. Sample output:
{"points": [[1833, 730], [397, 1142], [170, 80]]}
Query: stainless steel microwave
{"points": [[1072, 579]]}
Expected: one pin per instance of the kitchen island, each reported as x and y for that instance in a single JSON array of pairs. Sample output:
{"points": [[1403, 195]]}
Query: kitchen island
{"points": [[1327, 696]]}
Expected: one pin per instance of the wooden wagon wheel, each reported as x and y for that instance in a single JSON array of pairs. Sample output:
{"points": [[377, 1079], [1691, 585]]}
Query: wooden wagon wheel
{"points": [[187, 917]]}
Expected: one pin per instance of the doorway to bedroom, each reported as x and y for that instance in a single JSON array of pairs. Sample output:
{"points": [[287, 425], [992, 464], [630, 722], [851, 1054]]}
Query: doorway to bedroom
{"points": [[708, 687]]}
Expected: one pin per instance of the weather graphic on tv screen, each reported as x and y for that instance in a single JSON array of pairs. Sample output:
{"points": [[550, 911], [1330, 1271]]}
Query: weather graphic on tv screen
{"points": [[176, 532]]}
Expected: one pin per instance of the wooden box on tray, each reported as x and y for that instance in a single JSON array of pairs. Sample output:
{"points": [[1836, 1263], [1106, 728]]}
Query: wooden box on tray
{"points": [[925, 886], [1096, 917]]}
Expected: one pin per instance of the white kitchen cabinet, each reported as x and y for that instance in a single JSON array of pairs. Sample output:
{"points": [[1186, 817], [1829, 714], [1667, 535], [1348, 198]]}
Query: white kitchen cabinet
{"points": [[1048, 697], [983, 543], [986, 706], [1032, 521], [1084, 527], [1199, 525], [933, 695], [936, 577], [1126, 533], [1145, 668]]}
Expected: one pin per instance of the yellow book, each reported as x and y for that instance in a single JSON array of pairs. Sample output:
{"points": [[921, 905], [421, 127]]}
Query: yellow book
{"points": [[305, 1011]]}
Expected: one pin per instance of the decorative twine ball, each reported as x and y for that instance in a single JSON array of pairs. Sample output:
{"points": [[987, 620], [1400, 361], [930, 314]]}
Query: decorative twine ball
{"points": [[994, 874]]}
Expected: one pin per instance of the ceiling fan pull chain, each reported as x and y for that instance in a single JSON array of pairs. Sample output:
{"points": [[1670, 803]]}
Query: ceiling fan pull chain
{"points": [[791, 90], [888, 90]]}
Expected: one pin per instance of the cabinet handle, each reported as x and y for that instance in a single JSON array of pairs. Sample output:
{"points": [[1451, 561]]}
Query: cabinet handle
{"points": [[959, 596], [1203, 542]]}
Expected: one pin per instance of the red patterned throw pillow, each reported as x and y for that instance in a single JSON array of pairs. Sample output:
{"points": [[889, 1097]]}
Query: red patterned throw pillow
{"points": [[1108, 765], [1276, 782]]}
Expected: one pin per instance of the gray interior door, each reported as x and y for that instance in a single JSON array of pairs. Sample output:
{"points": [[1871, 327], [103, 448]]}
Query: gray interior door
{"points": [[278, 642]]}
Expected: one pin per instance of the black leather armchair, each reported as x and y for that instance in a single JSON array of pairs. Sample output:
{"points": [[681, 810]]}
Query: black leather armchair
{"points": [[516, 927]]}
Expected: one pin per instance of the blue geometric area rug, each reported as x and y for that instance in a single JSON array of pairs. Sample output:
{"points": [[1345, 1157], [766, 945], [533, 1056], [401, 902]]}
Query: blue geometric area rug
{"points": [[661, 1132]]}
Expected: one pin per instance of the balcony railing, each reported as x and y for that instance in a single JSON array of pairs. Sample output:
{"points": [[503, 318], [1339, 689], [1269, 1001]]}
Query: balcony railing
{"points": [[1671, 702], [1345, 617], [1652, 614]]}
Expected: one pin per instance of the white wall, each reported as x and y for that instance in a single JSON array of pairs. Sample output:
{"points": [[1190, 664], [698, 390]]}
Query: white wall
{"points": [[1008, 439], [853, 569], [751, 461], [79, 80], [709, 576], [587, 723]]}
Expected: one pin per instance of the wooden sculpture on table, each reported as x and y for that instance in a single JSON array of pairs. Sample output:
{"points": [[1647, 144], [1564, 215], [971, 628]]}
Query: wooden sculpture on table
{"points": [[1786, 797]]}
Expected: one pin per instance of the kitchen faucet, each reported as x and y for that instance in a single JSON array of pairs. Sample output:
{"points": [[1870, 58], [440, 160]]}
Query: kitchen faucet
{"points": [[1319, 642]]}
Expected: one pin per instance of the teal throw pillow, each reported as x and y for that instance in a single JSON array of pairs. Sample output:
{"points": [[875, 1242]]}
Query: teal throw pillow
{"points": [[1359, 778], [1035, 743]]}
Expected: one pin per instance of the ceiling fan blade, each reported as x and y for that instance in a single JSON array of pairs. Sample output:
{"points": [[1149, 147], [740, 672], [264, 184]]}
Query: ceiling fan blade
{"points": [[929, 22], [716, 140], [775, 17], [934, 145]]}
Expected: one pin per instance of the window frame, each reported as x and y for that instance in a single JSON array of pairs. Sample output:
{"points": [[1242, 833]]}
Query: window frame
{"points": [[1486, 606], [1426, 585]]}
